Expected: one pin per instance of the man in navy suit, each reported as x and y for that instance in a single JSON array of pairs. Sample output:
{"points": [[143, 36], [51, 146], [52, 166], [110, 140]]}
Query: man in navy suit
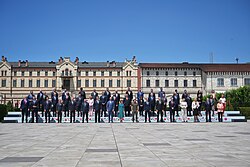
{"points": [[103, 100], [110, 108], [24, 109], [85, 110], [47, 108], [54, 99], [97, 109], [72, 109], [40, 101], [94, 94], [140, 94], [152, 100]]}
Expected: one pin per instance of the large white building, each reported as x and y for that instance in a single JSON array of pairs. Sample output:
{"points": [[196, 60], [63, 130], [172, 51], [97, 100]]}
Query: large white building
{"points": [[18, 78]]}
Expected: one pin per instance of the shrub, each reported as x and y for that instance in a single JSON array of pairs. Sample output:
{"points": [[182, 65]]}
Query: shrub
{"points": [[245, 111], [3, 111]]}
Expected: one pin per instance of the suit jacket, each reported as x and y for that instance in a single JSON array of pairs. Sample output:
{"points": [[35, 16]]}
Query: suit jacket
{"points": [[130, 95], [39, 97], [72, 105], [107, 94], [97, 105], [151, 100], [103, 99], [83, 94], [146, 106], [208, 106], [54, 97], [47, 105], [85, 107], [110, 105], [59, 107], [117, 97], [94, 95], [161, 94], [171, 105], [24, 104], [159, 105], [140, 94]]}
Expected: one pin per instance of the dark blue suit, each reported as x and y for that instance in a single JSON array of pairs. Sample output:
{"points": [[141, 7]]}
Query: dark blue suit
{"points": [[110, 107]]}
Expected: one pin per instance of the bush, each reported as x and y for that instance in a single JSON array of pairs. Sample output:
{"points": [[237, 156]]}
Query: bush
{"points": [[3, 111], [245, 111]]}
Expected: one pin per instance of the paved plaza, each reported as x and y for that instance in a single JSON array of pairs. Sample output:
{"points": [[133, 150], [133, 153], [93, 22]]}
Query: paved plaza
{"points": [[125, 144]]}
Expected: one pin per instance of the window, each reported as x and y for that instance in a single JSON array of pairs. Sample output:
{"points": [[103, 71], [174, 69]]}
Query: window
{"points": [[53, 83], [54, 74], [118, 73], [148, 83], [79, 73], [22, 73], [130, 73], [194, 73], [5, 73], [128, 83], [70, 73], [175, 73], [157, 83], [14, 83], [148, 73], [46, 73], [94, 83], [30, 83], [194, 83], [22, 83], [247, 81], [127, 73], [38, 83], [2, 73], [30, 73], [166, 83], [46, 83], [220, 82], [102, 83], [233, 81], [185, 73], [79, 82], [110, 83], [87, 73], [110, 73], [102, 73], [94, 73], [4, 83], [118, 83], [185, 83], [86, 83], [166, 73], [175, 83], [38, 73], [157, 73]]}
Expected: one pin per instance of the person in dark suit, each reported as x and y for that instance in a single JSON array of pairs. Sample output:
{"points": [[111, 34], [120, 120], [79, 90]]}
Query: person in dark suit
{"points": [[152, 101], [97, 109], [172, 110], [35, 105], [140, 94], [47, 109], [127, 106], [78, 105], [85, 110], [94, 94], [54, 99], [30, 100], [72, 110], [40, 101], [130, 94], [82, 93], [24, 109], [161, 93], [103, 100], [107, 94], [184, 95], [147, 110], [159, 109], [176, 99], [59, 109], [116, 98], [165, 103], [199, 99], [189, 103], [208, 108], [110, 108], [141, 103], [66, 104]]}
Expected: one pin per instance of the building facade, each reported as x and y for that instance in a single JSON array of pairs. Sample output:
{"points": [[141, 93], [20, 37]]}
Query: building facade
{"points": [[17, 79]]}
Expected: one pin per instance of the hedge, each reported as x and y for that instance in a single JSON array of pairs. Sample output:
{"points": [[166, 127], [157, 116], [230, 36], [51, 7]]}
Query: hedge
{"points": [[3, 111], [245, 111]]}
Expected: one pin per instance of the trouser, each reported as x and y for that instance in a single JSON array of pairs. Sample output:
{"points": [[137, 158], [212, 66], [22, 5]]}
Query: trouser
{"points": [[177, 112], [220, 115], [141, 111], [208, 116], [153, 110], [26, 114], [147, 113], [97, 116], [127, 111], [35, 114], [189, 109], [172, 113], [159, 112], [184, 114], [47, 115], [66, 112], [54, 110], [104, 110], [40, 108], [72, 115], [59, 117], [87, 117], [116, 110], [110, 116], [135, 116], [199, 109]]}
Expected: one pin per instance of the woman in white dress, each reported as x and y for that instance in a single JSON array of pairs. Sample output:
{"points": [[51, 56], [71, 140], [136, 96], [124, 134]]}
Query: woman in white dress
{"points": [[183, 106], [91, 103]]}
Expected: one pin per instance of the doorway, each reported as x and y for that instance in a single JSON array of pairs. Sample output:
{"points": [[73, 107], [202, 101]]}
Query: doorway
{"points": [[66, 84]]}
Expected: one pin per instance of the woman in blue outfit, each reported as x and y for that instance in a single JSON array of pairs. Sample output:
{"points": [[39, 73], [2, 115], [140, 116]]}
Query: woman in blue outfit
{"points": [[121, 111]]}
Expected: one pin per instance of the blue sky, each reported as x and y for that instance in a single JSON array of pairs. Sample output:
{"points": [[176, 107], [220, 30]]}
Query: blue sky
{"points": [[101, 30]]}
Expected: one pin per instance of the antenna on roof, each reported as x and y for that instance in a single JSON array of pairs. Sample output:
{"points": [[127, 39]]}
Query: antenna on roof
{"points": [[237, 60], [211, 57]]}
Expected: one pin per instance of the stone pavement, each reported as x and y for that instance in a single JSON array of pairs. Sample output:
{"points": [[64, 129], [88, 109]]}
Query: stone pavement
{"points": [[125, 144]]}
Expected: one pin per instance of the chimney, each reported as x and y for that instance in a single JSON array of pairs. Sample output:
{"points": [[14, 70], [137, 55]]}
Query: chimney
{"points": [[19, 63], [76, 60], [26, 63]]}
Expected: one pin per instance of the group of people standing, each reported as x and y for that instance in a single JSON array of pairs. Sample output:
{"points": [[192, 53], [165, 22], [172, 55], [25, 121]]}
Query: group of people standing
{"points": [[112, 105]]}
